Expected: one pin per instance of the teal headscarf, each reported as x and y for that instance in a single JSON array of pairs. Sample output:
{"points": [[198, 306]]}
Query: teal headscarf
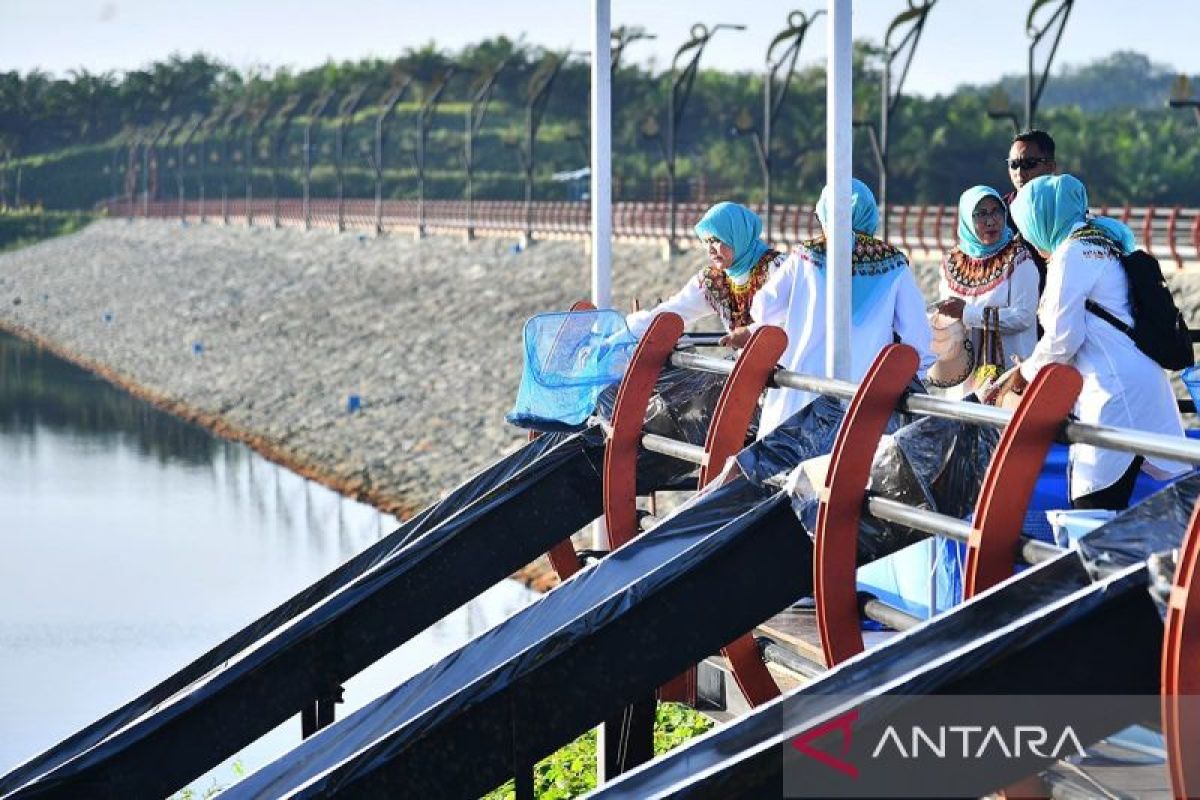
{"points": [[1047, 208], [968, 241], [874, 264], [738, 227], [864, 212]]}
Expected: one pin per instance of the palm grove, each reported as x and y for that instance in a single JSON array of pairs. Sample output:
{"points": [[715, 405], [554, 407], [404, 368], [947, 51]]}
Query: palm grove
{"points": [[63, 140]]}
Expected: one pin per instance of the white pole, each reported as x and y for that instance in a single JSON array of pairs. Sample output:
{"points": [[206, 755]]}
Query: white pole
{"points": [[838, 171], [601, 190]]}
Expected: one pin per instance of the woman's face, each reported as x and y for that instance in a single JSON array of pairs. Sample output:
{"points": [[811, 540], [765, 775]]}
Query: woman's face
{"points": [[720, 255], [988, 218]]}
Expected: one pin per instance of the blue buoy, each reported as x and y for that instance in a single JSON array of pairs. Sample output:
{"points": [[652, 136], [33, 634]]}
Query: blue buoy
{"points": [[108, 316], [353, 403], [197, 347]]}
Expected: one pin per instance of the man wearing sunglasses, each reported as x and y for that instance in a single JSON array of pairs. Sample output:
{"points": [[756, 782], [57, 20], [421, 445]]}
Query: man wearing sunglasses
{"points": [[1031, 156]]}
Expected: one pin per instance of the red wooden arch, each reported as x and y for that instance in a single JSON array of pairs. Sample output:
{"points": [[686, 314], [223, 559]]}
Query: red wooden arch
{"points": [[1012, 474], [836, 548], [726, 436], [562, 555], [1181, 668], [628, 415]]}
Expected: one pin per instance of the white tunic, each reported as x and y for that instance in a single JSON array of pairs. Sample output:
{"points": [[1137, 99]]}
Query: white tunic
{"points": [[1122, 386], [1017, 298], [691, 302], [794, 298]]}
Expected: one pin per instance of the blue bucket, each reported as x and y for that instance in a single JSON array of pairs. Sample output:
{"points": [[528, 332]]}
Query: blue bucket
{"points": [[1191, 382]]}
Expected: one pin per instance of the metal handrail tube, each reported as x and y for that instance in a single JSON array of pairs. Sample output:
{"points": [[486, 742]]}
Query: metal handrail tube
{"points": [[676, 449], [975, 413], [919, 518], [719, 366], [809, 383], [884, 614], [1123, 439], [1148, 444]]}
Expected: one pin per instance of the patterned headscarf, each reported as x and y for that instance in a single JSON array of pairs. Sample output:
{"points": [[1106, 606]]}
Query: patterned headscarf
{"points": [[738, 227], [875, 265], [968, 241], [864, 212], [1048, 207]]}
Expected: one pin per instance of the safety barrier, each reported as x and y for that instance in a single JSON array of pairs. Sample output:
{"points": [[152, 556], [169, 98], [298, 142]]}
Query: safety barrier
{"points": [[1172, 234], [994, 538]]}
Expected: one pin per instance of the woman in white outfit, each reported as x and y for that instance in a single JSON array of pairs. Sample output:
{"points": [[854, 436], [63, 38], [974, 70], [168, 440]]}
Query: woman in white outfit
{"points": [[990, 282], [887, 306], [1122, 386], [739, 264]]}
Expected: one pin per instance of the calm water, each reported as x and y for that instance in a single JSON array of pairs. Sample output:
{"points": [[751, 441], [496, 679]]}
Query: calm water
{"points": [[131, 542]]}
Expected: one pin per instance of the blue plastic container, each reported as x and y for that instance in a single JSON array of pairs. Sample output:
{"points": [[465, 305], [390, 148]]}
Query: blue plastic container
{"points": [[1191, 382]]}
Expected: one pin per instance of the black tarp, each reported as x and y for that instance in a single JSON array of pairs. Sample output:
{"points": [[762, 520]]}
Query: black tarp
{"points": [[480, 533], [1155, 525], [564, 663], [1048, 631]]}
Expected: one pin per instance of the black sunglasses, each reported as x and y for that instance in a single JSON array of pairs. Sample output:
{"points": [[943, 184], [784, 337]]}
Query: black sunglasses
{"points": [[1027, 163]]}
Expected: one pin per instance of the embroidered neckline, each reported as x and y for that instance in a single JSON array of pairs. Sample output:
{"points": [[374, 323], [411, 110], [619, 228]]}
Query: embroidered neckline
{"points": [[1090, 234], [870, 256], [969, 277], [730, 300]]}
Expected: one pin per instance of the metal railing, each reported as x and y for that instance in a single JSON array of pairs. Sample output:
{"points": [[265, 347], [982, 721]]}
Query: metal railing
{"points": [[1171, 234]]}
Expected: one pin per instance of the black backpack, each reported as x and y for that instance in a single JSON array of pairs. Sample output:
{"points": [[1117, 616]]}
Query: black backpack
{"points": [[1158, 328]]}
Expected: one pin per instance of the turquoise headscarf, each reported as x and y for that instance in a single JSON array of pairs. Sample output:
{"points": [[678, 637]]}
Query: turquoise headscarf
{"points": [[738, 227], [968, 241], [1047, 208], [864, 212], [874, 265]]}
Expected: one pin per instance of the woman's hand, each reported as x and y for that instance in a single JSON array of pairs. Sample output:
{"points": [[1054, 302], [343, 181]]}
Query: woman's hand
{"points": [[952, 308], [736, 338]]}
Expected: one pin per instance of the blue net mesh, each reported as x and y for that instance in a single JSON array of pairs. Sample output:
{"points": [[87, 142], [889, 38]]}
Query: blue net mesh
{"points": [[570, 357]]}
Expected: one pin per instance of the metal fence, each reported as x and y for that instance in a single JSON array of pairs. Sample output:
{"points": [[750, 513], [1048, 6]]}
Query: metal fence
{"points": [[1172, 234]]}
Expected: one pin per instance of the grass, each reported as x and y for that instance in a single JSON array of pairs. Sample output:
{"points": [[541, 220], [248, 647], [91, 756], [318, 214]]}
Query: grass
{"points": [[22, 227], [571, 771]]}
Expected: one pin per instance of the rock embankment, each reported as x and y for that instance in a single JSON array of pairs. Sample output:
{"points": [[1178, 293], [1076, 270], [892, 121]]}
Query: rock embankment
{"points": [[265, 334]]}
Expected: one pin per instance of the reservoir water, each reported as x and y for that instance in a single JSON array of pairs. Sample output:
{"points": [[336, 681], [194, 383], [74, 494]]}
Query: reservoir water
{"points": [[131, 542]]}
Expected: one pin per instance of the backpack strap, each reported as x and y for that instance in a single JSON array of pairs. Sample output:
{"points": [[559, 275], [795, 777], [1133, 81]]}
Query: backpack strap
{"points": [[1109, 317]]}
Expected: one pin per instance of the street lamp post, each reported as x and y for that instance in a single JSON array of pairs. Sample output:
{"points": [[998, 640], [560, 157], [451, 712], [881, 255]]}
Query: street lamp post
{"points": [[277, 141], [680, 92], [1033, 94], [181, 153], [914, 18], [345, 117], [259, 120], [232, 122], [386, 107], [147, 148], [539, 95], [474, 121], [1181, 96], [314, 112], [774, 92], [433, 95], [206, 133]]}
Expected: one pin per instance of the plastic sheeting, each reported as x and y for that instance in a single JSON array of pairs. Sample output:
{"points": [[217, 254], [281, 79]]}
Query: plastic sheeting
{"points": [[570, 357], [936, 464], [680, 408], [808, 433], [1155, 525], [483, 531], [562, 664], [998, 643]]}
